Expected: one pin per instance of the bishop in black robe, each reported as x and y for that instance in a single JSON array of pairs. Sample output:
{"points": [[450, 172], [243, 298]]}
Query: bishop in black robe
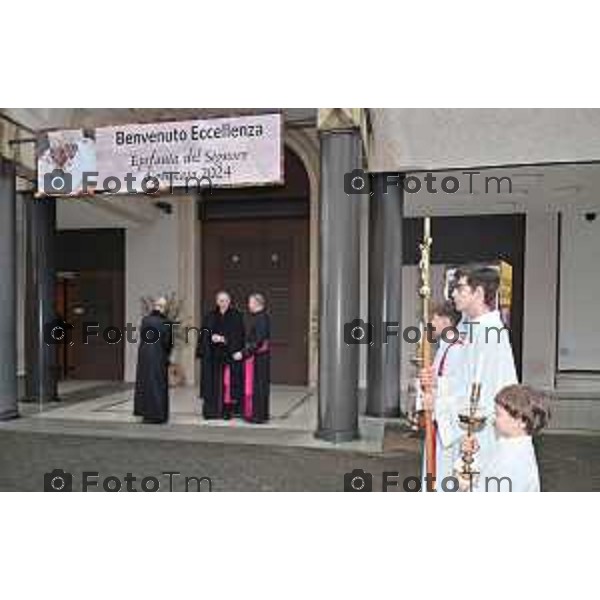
{"points": [[151, 399], [221, 382], [256, 358]]}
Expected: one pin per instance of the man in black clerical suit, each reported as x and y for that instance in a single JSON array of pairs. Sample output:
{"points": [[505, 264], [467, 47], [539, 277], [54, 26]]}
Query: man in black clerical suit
{"points": [[221, 382], [256, 358]]}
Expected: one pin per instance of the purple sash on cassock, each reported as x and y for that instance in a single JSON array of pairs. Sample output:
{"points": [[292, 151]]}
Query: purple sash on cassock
{"points": [[227, 385], [249, 379]]}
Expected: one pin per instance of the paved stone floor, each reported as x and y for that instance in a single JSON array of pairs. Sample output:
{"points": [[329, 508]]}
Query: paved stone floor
{"points": [[109, 408], [93, 430], [568, 463], [26, 456]]}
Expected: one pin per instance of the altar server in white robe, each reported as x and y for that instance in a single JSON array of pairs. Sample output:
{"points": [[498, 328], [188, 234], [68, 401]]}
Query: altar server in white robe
{"points": [[483, 354], [488, 359], [521, 412], [447, 372]]}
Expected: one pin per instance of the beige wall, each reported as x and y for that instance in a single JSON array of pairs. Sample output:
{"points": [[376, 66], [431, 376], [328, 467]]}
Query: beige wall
{"points": [[579, 347], [162, 258], [188, 277], [540, 298], [21, 282], [305, 143], [439, 138], [151, 267]]}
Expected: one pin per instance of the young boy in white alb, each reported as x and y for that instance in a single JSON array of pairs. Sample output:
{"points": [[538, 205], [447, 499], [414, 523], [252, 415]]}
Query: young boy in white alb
{"points": [[512, 465]]}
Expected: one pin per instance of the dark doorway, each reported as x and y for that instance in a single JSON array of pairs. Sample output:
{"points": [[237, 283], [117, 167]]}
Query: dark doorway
{"points": [[90, 288], [257, 240], [270, 257]]}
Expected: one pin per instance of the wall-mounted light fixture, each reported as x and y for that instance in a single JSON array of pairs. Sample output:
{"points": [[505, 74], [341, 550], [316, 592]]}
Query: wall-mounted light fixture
{"points": [[165, 207]]}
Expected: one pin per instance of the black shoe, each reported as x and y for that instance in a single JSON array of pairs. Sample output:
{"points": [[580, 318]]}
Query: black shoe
{"points": [[255, 420], [151, 421]]}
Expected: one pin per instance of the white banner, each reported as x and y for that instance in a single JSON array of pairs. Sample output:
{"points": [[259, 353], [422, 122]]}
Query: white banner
{"points": [[237, 151]]}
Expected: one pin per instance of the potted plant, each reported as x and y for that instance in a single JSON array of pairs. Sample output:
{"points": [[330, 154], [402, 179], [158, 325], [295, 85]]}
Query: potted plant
{"points": [[173, 312]]}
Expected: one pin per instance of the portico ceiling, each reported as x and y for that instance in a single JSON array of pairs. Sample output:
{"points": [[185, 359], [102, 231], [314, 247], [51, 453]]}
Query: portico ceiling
{"points": [[533, 188]]}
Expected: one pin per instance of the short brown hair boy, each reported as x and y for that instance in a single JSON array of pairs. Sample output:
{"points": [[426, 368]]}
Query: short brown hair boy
{"points": [[525, 404]]}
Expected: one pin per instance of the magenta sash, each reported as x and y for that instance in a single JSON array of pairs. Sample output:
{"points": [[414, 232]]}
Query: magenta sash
{"points": [[249, 379], [263, 348], [248, 386], [227, 385]]}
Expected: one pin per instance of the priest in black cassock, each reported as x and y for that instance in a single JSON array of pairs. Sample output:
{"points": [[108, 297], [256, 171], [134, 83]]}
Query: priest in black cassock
{"points": [[256, 358], [221, 382], [151, 399]]}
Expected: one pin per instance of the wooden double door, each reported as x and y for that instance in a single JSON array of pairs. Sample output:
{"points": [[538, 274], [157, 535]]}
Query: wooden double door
{"points": [[91, 297], [270, 256]]}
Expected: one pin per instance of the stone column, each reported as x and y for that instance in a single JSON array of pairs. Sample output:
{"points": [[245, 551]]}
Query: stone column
{"points": [[41, 357], [385, 295], [341, 153], [8, 293]]}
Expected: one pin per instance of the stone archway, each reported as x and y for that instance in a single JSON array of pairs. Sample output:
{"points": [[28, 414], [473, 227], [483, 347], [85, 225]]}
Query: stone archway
{"points": [[258, 239]]}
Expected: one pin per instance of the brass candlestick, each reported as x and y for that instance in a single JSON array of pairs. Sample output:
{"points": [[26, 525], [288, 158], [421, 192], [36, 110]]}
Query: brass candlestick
{"points": [[414, 416], [473, 421]]}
